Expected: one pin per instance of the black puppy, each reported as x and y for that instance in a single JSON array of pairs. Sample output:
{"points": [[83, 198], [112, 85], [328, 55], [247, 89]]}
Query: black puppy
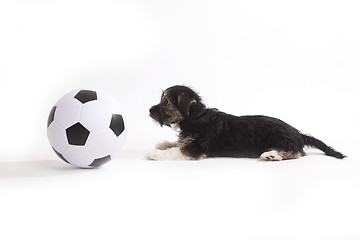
{"points": [[207, 132]]}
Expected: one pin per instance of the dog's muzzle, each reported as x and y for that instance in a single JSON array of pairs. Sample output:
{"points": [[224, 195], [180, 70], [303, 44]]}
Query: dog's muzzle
{"points": [[155, 113]]}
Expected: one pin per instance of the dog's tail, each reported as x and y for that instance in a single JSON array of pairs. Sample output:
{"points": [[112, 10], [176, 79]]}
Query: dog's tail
{"points": [[313, 142]]}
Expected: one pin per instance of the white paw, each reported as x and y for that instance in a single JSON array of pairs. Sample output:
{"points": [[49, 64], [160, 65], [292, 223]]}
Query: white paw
{"points": [[168, 154], [165, 145], [271, 156], [154, 154]]}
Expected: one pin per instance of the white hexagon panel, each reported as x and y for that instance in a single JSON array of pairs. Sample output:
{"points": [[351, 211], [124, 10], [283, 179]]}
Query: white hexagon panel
{"points": [[86, 128]]}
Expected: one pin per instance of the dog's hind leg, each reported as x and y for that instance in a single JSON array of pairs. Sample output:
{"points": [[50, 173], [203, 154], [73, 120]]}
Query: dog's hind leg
{"points": [[276, 155]]}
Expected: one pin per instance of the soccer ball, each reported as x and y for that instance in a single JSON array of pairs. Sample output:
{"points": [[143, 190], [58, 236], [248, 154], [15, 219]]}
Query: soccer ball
{"points": [[86, 128]]}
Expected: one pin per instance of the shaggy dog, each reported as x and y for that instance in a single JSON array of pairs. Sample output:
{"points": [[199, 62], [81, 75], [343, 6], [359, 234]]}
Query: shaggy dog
{"points": [[207, 132]]}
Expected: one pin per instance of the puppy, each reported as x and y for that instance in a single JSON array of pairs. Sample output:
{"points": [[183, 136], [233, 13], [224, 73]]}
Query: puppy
{"points": [[207, 132]]}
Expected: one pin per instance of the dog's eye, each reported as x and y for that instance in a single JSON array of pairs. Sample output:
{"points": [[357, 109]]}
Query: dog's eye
{"points": [[166, 102]]}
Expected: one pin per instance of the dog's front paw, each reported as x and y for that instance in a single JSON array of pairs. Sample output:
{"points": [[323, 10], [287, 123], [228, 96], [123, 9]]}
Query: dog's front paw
{"points": [[174, 153], [166, 145], [154, 155]]}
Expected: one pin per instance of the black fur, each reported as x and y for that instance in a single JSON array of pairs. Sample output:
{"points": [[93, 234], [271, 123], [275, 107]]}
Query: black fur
{"points": [[212, 133]]}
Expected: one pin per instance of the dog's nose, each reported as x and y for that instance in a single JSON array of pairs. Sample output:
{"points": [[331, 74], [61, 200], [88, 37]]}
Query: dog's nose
{"points": [[152, 110]]}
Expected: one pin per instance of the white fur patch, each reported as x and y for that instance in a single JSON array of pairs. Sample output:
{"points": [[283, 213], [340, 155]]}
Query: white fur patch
{"points": [[168, 154], [175, 127], [271, 156]]}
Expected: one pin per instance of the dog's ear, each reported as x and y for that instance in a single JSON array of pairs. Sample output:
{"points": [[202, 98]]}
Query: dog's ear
{"points": [[184, 104]]}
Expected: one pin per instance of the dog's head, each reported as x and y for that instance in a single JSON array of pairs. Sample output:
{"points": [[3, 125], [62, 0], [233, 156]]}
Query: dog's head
{"points": [[177, 103]]}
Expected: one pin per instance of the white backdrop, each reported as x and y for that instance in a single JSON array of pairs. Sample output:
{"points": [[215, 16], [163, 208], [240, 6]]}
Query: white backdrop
{"points": [[295, 60]]}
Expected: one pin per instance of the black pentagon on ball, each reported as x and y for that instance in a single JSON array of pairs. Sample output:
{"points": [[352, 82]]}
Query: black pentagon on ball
{"points": [[60, 156], [100, 161], [85, 96], [117, 124], [51, 116], [77, 134]]}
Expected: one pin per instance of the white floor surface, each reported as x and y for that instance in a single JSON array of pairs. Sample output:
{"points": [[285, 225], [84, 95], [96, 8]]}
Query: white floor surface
{"points": [[315, 197]]}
